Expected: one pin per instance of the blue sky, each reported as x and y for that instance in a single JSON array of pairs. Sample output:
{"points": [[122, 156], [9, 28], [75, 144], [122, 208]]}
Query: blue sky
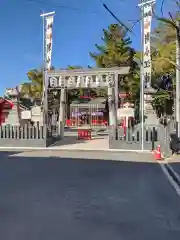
{"points": [[74, 32]]}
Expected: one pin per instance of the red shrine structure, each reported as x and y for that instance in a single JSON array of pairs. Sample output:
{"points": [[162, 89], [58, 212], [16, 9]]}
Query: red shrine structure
{"points": [[5, 107]]}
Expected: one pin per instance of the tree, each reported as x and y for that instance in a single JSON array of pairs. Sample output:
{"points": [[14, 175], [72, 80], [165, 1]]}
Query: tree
{"points": [[34, 88], [171, 33], [163, 48], [116, 51], [164, 61]]}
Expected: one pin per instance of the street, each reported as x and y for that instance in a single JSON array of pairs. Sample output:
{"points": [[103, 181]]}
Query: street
{"points": [[176, 167], [57, 198]]}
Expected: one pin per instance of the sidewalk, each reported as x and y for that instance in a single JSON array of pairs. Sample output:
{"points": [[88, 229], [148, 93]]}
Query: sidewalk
{"points": [[88, 155], [101, 143], [72, 144], [173, 159]]}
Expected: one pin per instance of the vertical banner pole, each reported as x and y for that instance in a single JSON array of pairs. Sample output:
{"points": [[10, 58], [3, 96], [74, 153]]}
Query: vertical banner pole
{"points": [[116, 98], [145, 78], [142, 81], [177, 104], [44, 76], [47, 52]]}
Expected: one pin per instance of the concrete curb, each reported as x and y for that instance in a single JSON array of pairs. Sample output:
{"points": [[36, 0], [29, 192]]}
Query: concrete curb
{"points": [[74, 149]]}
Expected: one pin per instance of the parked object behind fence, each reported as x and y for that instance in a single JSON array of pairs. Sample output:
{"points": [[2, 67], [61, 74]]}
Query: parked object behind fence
{"points": [[175, 143]]}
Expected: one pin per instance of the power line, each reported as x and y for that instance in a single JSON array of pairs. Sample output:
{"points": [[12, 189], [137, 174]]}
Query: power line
{"points": [[115, 17], [134, 22], [61, 6], [86, 11]]}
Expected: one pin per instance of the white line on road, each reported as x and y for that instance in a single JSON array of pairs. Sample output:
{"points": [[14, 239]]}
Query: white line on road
{"points": [[174, 172], [171, 180]]}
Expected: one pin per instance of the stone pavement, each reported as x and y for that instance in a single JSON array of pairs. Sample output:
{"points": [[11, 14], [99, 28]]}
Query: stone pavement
{"points": [[98, 143]]}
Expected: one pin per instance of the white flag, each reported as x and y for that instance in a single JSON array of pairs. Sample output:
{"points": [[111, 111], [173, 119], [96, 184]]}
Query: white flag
{"points": [[48, 50], [48, 36], [147, 19]]}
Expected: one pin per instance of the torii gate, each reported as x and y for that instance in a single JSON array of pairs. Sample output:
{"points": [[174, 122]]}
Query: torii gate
{"points": [[85, 78]]}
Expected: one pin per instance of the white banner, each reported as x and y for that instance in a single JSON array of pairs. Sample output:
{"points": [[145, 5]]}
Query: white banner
{"points": [[48, 41], [147, 19], [48, 50]]}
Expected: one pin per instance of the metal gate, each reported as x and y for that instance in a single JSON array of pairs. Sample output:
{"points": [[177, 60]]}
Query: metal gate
{"points": [[92, 116]]}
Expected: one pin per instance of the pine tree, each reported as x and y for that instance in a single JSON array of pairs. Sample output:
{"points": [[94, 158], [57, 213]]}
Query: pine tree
{"points": [[116, 51]]}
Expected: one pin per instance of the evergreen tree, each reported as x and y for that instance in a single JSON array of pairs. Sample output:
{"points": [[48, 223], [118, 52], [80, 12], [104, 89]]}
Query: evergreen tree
{"points": [[116, 51]]}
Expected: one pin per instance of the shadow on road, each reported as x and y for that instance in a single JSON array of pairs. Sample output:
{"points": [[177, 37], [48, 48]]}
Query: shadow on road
{"points": [[4, 154]]}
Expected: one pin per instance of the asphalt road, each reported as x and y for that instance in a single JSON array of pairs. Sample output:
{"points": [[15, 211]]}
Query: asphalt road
{"points": [[65, 199], [176, 167]]}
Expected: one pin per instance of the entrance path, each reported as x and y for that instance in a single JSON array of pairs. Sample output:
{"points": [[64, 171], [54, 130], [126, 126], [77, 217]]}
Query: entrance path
{"points": [[97, 143]]}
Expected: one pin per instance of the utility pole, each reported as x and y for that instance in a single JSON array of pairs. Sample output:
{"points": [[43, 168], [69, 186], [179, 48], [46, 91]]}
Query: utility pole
{"points": [[177, 106]]}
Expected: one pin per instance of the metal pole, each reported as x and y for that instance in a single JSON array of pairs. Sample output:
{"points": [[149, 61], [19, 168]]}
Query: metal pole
{"points": [[116, 97], [178, 79]]}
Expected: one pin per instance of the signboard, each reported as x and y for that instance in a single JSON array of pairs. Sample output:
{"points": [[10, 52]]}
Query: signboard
{"points": [[36, 111], [81, 78], [78, 114], [125, 112], [128, 105], [26, 114], [83, 81]]}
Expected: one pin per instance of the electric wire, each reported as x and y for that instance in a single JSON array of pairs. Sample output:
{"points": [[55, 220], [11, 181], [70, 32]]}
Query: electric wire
{"points": [[61, 6]]}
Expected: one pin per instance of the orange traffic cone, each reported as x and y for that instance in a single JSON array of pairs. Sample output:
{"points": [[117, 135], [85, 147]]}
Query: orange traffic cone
{"points": [[158, 155]]}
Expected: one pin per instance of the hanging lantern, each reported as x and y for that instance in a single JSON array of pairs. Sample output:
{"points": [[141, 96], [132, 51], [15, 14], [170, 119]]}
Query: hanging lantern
{"points": [[87, 81], [79, 80], [98, 81]]}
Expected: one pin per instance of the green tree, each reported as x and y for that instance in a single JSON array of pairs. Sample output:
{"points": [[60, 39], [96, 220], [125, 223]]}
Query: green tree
{"points": [[116, 51], [164, 48], [33, 88], [164, 61]]}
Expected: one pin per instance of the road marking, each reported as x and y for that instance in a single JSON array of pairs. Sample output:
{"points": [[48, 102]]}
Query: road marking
{"points": [[171, 180], [174, 172]]}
